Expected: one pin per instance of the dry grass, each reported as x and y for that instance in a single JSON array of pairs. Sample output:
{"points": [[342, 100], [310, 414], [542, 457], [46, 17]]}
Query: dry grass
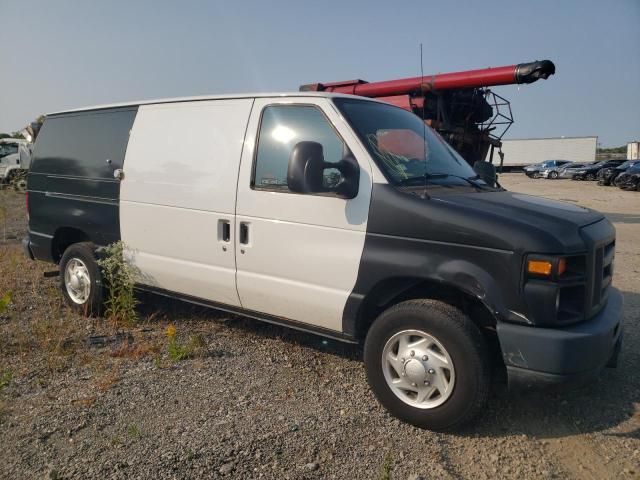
{"points": [[107, 381], [134, 350]]}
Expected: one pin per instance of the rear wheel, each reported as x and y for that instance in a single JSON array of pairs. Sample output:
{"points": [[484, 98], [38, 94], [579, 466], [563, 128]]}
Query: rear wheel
{"points": [[427, 363], [80, 279], [553, 175]]}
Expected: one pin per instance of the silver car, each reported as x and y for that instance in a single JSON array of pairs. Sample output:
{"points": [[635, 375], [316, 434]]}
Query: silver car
{"points": [[546, 169], [570, 170]]}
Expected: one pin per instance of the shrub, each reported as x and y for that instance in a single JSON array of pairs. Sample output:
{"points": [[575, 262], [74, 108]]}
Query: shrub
{"points": [[119, 280]]}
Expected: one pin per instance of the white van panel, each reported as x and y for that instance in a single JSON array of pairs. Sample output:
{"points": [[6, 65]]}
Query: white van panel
{"points": [[186, 154], [180, 176], [304, 251]]}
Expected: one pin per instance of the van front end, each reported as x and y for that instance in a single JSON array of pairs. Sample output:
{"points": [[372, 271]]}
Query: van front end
{"points": [[576, 315], [572, 355]]}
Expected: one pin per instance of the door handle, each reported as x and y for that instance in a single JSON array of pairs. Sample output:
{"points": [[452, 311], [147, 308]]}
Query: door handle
{"points": [[244, 233], [224, 230]]}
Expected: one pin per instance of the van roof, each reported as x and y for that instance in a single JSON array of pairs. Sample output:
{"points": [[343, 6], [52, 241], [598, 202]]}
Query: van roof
{"points": [[212, 97]]}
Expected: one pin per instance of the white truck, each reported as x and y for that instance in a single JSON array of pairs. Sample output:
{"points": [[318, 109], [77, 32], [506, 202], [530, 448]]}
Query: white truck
{"points": [[15, 159]]}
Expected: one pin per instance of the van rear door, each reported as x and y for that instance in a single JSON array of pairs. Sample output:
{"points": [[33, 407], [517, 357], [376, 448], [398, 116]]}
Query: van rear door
{"points": [[298, 255], [177, 210]]}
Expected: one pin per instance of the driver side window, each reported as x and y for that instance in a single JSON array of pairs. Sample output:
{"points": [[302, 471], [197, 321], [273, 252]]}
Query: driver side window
{"points": [[281, 128]]}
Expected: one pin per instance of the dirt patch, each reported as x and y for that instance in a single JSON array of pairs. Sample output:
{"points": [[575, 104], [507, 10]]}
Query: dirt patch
{"points": [[259, 401]]}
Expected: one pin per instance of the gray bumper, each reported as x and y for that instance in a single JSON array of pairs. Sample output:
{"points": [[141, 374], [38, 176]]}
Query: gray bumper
{"points": [[573, 354]]}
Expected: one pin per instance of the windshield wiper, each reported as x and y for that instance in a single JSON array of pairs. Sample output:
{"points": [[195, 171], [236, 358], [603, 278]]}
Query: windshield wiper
{"points": [[424, 179]]}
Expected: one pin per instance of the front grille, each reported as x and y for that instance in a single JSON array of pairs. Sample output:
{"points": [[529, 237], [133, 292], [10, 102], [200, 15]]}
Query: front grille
{"points": [[603, 273], [600, 240]]}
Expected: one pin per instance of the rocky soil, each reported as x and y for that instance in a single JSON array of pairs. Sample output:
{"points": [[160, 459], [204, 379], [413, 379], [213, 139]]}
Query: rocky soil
{"points": [[259, 401]]}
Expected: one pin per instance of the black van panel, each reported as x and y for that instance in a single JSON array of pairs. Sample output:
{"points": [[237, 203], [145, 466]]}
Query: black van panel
{"points": [[71, 183]]}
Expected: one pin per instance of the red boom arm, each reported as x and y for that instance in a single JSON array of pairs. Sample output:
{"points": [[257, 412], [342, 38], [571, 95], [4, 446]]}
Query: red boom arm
{"points": [[512, 74]]}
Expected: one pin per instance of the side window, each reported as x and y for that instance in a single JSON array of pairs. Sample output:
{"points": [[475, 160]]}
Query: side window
{"points": [[281, 128]]}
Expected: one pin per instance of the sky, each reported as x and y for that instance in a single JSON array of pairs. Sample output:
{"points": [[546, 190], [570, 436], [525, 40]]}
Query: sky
{"points": [[69, 54]]}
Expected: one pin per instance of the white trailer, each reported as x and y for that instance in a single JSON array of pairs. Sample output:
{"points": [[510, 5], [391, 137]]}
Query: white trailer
{"points": [[527, 151], [633, 151]]}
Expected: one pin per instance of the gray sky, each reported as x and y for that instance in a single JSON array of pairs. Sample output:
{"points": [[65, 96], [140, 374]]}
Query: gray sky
{"points": [[62, 54]]}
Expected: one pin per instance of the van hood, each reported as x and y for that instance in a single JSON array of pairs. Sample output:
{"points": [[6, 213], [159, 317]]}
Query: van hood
{"points": [[497, 220], [546, 223], [527, 208]]}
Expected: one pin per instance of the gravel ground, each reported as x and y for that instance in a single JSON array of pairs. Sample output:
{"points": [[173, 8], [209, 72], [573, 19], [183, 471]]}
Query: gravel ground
{"points": [[259, 401]]}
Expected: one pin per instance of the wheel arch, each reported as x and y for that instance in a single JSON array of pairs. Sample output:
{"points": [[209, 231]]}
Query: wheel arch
{"points": [[65, 237], [391, 291]]}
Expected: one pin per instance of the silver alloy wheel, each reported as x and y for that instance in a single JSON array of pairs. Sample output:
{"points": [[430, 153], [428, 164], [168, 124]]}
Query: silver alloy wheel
{"points": [[418, 369], [77, 280]]}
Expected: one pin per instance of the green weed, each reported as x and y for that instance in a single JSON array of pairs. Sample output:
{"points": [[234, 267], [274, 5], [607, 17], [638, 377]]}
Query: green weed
{"points": [[5, 300], [180, 351], [119, 279], [5, 379], [133, 431], [387, 465]]}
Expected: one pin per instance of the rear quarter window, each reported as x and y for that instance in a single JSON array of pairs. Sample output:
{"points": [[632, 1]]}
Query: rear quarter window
{"points": [[79, 144]]}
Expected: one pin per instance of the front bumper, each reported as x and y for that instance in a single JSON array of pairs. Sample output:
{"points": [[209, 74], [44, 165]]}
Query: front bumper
{"points": [[575, 354]]}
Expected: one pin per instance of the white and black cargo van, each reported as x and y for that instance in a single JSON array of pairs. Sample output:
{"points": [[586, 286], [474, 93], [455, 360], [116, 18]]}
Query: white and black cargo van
{"points": [[338, 215]]}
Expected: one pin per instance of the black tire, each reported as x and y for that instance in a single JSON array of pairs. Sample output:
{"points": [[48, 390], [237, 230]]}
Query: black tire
{"points": [[553, 175], [85, 252], [464, 343]]}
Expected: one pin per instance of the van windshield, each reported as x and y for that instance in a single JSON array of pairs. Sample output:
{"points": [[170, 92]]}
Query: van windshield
{"points": [[408, 152]]}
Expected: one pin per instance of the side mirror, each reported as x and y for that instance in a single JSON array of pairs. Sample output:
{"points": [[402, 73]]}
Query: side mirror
{"points": [[486, 171], [305, 173]]}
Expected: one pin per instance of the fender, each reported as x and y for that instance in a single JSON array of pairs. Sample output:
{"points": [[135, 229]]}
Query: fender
{"points": [[392, 265]]}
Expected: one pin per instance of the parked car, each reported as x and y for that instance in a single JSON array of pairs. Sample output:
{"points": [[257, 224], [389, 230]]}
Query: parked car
{"points": [[630, 179], [232, 202], [546, 169], [569, 170], [607, 176], [591, 172], [533, 170]]}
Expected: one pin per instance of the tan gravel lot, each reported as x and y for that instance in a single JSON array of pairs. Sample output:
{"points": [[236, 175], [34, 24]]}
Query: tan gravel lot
{"points": [[259, 401]]}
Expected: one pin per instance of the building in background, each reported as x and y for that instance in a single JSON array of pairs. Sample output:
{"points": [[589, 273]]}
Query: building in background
{"points": [[633, 151], [525, 151]]}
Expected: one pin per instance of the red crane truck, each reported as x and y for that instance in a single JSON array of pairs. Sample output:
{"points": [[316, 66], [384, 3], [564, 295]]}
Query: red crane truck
{"points": [[459, 105]]}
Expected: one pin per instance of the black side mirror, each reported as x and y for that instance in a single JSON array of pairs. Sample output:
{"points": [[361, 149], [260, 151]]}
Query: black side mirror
{"points": [[486, 171], [305, 173]]}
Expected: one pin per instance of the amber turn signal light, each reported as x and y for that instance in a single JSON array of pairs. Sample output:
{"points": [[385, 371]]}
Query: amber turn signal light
{"points": [[545, 267], [540, 267]]}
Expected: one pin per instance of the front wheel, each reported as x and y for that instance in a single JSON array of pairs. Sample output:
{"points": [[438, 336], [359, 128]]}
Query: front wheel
{"points": [[553, 175], [80, 279], [427, 363]]}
